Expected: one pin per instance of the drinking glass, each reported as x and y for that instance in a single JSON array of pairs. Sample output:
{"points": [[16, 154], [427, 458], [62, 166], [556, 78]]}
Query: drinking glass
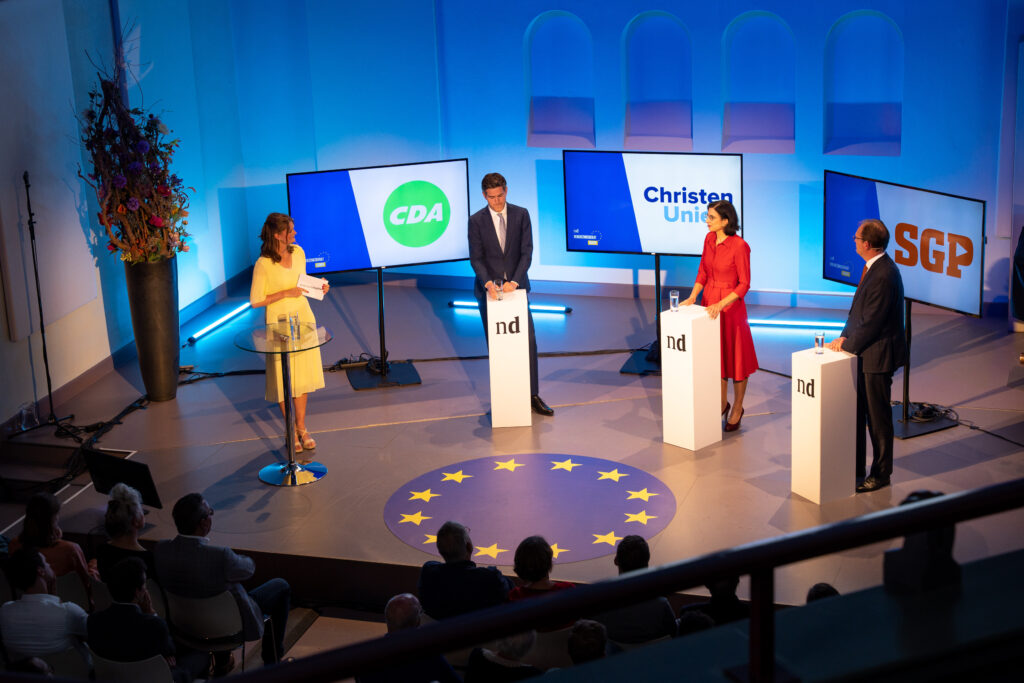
{"points": [[673, 299], [499, 283], [819, 342]]}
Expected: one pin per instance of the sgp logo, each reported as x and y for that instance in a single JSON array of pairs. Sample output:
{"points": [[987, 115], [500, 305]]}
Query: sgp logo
{"points": [[933, 251], [416, 213]]}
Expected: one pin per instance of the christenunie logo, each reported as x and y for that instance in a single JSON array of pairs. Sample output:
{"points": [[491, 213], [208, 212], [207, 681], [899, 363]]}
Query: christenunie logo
{"points": [[417, 213]]}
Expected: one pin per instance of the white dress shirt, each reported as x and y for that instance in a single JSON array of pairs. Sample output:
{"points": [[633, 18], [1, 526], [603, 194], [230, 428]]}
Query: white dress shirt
{"points": [[40, 624]]}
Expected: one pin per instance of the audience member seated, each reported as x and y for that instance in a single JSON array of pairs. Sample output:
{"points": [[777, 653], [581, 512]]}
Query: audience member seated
{"points": [[820, 591], [190, 566], [130, 631], [38, 623], [724, 606], [403, 613], [533, 562], [457, 585], [503, 661], [645, 620], [587, 641], [123, 522], [41, 530], [693, 621]]}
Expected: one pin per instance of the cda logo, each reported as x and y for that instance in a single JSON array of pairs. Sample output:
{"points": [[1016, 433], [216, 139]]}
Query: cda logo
{"points": [[416, 214]]}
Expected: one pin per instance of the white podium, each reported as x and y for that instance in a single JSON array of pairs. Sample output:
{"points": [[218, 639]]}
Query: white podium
{"points": [[508, 342], [691, 377], [824, 397]]}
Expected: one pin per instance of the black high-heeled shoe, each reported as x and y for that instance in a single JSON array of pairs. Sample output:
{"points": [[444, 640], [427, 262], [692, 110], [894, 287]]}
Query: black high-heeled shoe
{"points": [[726, 411], [730, 427]]}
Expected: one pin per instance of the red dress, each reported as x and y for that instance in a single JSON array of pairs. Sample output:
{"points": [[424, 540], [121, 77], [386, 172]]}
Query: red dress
{"points": [[725, 268]]}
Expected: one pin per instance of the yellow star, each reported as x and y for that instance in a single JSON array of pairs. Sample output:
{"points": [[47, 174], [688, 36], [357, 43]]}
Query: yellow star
{"points": [[455, 476], [415, 519], [564, 465], [643, 493], [641, 517], [423, 495], [555, 550], [431, 538], [610, 538], [490, 551], [509, 465], [613, 475]]}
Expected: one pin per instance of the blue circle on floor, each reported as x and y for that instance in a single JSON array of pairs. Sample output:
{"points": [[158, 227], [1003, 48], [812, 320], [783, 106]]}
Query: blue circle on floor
{"points": [[582, 506]]}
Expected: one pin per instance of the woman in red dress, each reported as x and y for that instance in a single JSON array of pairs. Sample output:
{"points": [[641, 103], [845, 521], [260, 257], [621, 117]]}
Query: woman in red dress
{"points": [[724, 277]]}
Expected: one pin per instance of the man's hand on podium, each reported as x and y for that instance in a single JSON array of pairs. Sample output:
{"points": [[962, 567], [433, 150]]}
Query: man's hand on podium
{"points": [[836, 344]]}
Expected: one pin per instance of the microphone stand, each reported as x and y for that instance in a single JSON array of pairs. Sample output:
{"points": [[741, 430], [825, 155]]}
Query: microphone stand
{"points": [[51, 419]]}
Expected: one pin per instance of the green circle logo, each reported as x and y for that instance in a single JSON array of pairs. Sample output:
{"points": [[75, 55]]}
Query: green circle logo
{"points": [[416, 214]]}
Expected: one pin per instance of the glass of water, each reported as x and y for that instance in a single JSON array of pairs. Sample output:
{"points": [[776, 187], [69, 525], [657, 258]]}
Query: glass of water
{"points": [[673, 299], [499, 283], [819, 342]]}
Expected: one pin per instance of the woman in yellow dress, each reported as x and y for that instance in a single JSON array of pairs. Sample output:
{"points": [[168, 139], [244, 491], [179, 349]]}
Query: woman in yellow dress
{"points": [[275, 286]]}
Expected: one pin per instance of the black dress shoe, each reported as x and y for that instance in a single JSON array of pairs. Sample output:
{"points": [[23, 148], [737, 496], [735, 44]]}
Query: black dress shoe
{"points": [[540, 407], [872, 483]]}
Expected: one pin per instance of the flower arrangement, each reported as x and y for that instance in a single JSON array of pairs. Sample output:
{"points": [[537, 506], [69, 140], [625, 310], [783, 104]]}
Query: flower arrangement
{"points": [[143, 206]]}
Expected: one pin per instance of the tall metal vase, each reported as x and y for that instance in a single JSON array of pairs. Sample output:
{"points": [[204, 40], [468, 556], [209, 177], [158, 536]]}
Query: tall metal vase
{"points": [[153, 297]]}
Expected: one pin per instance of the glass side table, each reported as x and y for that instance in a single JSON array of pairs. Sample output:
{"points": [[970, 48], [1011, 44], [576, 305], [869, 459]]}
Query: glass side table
{"points": [[272, 339]]}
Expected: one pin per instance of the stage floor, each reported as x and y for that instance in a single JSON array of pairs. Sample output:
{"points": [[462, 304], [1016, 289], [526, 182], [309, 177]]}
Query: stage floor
{"points": [[218, 433]]}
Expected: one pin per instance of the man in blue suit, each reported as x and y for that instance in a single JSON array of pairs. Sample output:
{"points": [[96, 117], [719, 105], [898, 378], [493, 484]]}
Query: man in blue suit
{"points": [[190, 566], [874, 331], [500, 248]]}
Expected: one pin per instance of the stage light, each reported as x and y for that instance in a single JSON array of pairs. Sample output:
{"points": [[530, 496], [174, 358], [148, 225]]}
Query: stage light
{"points": [[796, 323], [538, 308], [217, 323]]}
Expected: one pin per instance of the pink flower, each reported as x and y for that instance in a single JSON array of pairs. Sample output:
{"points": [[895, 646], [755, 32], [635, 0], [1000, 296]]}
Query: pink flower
{"points": [[156, 221]]}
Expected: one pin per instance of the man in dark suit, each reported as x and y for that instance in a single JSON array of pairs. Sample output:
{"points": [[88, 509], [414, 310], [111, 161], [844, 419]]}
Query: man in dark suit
{"points": [[457, 586], [189, 566], [500, 248], [874, 331], [130, 630]]}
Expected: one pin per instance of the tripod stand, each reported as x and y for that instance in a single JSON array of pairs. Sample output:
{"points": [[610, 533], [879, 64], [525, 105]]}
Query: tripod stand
{"points": [[51, 419]]}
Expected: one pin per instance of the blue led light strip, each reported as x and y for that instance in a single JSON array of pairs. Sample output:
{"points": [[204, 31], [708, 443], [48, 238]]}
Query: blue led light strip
{"points": [[539, 308], [218, 322], [796, 323]]}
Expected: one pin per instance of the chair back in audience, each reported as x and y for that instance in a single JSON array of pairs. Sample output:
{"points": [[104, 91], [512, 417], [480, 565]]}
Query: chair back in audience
{"points": [[211, 624], [156, 596], [152, 670], [71, 663], [550, 650], [71, 589]]}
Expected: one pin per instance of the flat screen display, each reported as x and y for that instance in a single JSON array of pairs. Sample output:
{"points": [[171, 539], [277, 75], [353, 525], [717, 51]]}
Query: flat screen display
{"points": [[937, 240], [645, 202], [382, 216]]}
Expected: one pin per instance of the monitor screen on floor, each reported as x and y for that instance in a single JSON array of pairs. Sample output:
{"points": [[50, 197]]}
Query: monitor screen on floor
{"points": [[380, 217], [645, 202], [937, 240]]}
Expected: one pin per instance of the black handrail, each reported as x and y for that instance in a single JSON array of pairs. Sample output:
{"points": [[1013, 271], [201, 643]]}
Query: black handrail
{"points": [[759, 559]]}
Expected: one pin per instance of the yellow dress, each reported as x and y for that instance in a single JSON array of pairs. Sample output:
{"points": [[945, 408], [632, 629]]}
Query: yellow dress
{"points": [[306, 367]]}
